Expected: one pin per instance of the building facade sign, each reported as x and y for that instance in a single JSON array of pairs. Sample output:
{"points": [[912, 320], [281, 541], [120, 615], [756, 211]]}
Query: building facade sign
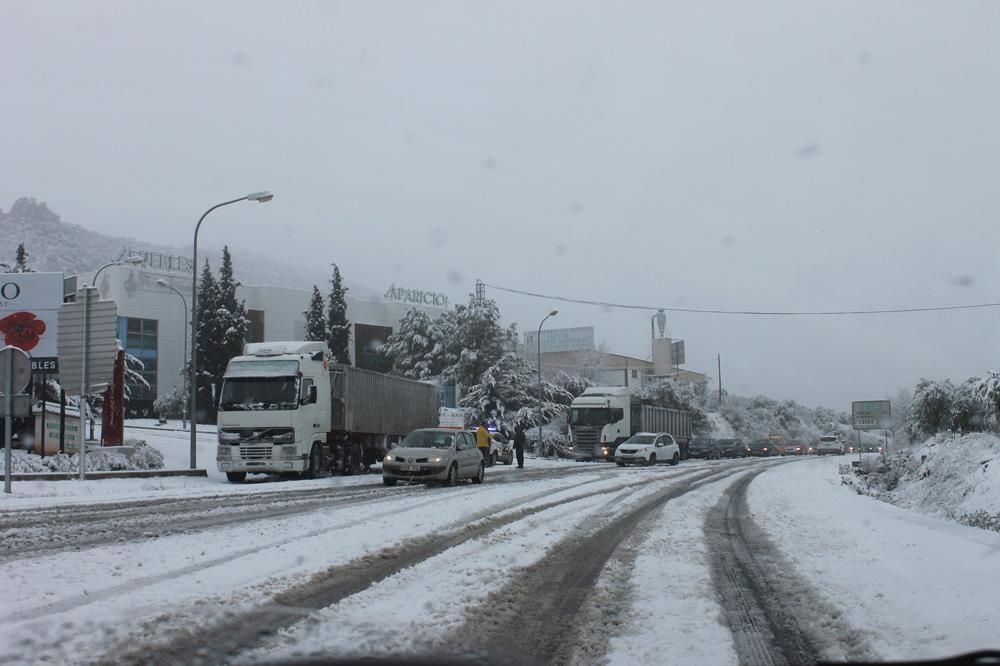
{"points": [[161, 262], [416, 297]]}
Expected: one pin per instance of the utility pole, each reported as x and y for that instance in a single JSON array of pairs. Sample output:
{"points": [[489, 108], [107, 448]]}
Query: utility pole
{"points": [[719, 357], [480, 293]]}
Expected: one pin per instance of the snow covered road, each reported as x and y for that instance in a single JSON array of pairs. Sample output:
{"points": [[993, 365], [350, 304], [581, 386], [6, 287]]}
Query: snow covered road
{"points": [[742, 561]]}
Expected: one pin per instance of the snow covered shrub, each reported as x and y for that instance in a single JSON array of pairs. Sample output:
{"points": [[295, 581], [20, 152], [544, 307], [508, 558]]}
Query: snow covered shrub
{"points": [[981, 519], [988, 391], [931, 409], [171, 405]]}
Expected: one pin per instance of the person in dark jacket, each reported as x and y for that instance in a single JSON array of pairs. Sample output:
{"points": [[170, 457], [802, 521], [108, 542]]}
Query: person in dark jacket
{"points": [[519, 441]]}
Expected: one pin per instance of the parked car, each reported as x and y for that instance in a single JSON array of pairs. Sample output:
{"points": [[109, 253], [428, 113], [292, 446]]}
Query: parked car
{"points": [[704, 447], [434, 455], [648, 448], [829, 445], [763, 448], [733, 448]]}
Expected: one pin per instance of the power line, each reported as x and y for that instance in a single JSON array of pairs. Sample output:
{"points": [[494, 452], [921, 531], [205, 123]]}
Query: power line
{"points": [[764, 313]]}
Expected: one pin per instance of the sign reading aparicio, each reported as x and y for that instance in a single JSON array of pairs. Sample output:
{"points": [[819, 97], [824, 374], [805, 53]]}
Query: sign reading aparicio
{"points": [[416, 297], [29, 316]]}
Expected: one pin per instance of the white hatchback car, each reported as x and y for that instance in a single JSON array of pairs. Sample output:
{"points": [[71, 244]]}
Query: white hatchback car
{"points": [[830, 445], [648, 448]]}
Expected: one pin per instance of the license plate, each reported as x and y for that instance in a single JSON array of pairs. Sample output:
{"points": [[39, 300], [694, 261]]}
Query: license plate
{"points": [[410, 468]]}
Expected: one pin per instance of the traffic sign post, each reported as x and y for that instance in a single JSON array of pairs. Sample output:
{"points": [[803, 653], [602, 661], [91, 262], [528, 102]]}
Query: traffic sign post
{"points": [[15, 370], [871, 415]]}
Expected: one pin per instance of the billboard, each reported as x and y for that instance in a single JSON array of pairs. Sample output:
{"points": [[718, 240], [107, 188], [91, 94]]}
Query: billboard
{"points": [[29, 316], [102, 339], [580, 338]]}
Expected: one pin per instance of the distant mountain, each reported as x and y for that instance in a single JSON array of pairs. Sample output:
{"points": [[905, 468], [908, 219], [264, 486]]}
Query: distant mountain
{"points": [[54, 245]]}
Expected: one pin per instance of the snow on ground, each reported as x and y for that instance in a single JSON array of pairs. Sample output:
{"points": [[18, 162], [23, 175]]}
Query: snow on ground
{"points": [[673, 596], [186, 579], [721, 429], [952, 477], [913, 584]]}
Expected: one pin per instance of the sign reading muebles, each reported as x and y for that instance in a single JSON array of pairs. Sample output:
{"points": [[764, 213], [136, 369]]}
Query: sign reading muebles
{"points": [[416, 297], [29, 316]]}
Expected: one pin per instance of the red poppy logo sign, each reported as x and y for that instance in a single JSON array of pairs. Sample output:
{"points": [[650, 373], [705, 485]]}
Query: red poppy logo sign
{"points": [[29, 316], [22, 329]]}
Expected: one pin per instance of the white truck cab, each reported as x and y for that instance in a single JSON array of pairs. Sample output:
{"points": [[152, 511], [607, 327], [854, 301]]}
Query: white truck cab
{"points": [[599, 421], [270, 418]]}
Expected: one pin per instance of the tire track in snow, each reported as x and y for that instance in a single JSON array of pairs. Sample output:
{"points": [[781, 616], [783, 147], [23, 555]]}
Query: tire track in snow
{"points": [[222, 641], [775, 617], [537, 614]]}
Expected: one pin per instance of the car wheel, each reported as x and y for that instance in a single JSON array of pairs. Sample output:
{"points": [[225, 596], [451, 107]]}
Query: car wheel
{"points": [[652, 460], [453, 474], [315, 460], [236, 477], [480, 475], [676, 459], [389, 482]]}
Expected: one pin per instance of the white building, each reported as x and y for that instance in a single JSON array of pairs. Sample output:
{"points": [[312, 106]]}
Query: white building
{"points": [[151, 317]]}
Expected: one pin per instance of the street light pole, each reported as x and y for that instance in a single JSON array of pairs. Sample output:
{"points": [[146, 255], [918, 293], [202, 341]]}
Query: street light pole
{"points": [[260, 197], [164, 283], [541, 446], [84, 369]]}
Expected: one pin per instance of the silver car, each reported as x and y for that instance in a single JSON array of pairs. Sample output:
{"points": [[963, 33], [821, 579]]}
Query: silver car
{"points": [[434, 455]]}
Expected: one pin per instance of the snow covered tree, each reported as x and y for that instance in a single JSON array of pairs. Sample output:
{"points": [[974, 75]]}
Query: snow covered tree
{"points": [[478, 341], [233, 324], [930, 411], [988, 391], [967, 409], [508, 390], [316, 326], [208, 345], [413, 349], [339, 333], [21, 260], [133, 375], [574, 384]]}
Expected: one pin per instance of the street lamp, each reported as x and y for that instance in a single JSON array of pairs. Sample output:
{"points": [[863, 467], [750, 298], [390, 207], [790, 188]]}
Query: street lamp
{"points": [[84, 370], [167, 285], [260, 197], [539, 341]]}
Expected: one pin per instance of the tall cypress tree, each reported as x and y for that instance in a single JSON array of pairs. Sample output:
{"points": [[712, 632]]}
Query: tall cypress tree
{"points": [[207, 344], [339, 335], [21, 260], [316, 325], [233, 322]]}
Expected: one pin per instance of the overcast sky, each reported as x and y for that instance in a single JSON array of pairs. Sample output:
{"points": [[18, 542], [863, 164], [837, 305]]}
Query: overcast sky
{"points": [[742, 155]]}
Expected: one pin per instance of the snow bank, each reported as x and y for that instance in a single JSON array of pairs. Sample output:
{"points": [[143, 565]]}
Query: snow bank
{"points": [[950, 476], [136, 455]]}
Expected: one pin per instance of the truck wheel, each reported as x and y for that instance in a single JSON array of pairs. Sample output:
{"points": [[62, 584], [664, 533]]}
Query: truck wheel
{"points": [[236, 477], [676, 459], [480, 475], [652, 460], [315, 462], [389, 482], [453, 474]]}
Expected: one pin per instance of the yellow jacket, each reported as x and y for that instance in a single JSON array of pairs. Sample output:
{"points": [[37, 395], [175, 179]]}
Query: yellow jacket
{"points": [[482, 437]]}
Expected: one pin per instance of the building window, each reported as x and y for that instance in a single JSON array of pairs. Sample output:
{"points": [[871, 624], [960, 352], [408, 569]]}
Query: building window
{"points": [[140, 337], [368, 341], [635, 374], [255, 331]]}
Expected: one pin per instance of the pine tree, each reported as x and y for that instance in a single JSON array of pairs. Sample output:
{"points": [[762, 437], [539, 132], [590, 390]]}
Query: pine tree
{"points": [[232, 316], [478, 341], [339, 335], [509, 390], [207, 343], [21, 260], [409, 348], [316, 326]]}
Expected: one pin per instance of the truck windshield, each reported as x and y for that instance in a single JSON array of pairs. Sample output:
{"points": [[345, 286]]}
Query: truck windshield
{"points": [[241, 394], [590, 416]]}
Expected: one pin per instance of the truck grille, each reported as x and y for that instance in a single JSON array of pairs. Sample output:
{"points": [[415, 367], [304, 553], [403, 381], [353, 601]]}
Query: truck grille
{"points": [[257, 435], [586, 440], [255, 452]]}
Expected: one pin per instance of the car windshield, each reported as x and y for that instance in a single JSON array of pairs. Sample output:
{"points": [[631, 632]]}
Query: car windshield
{"points": [[589, 416], [429, 439], [641, 439], [254, 394]]}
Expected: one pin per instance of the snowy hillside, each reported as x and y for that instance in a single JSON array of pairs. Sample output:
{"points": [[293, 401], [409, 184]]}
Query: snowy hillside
{"points": [[55, 245], [948, 476]]}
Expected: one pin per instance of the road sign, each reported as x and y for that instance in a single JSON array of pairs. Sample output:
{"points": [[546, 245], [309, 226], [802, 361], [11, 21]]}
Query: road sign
{"points": [[102, 348], [871, 414], [19, 364], [29, 314], [20, 406]]}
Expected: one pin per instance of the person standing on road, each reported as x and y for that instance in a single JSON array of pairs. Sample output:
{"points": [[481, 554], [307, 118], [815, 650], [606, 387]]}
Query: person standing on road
{"points": [[519, 441], [483, 442]]}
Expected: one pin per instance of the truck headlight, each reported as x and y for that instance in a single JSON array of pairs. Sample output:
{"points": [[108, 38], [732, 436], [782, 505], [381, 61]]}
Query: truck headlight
{"points": [[286, 437], [224, 453]]}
